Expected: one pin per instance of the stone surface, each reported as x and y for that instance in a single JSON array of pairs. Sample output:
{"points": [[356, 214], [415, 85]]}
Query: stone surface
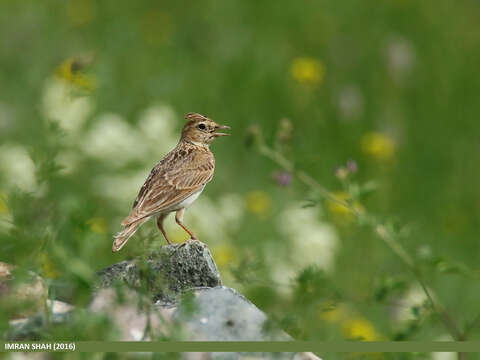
{"points": [[27, 288], [136, 319], [222, 314], [31, 328], [306, 356], [166, 273]]}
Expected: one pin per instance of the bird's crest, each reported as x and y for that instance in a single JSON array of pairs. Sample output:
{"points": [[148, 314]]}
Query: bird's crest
{"points": [[191, 116]]}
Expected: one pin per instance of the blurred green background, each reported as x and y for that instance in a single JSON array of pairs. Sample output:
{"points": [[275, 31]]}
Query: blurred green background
{"points": [[93, 94]]}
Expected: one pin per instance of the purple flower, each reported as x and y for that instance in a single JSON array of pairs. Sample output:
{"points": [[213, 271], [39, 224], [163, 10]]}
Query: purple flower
{"points": [[352, 166], [282, 178]]}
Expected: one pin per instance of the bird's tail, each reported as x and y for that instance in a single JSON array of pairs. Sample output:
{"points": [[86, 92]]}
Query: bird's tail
{"points": [[123, 236]]}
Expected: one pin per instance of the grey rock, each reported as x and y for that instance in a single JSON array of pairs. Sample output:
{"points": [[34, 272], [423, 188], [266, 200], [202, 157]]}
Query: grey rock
{"points": [[166, 273], [306, 356], [29, 288], [222, 314], [134, 316], [31, 328]]}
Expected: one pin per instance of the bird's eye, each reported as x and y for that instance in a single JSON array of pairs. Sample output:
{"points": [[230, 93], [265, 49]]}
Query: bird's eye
{"points": [[202, 126]]}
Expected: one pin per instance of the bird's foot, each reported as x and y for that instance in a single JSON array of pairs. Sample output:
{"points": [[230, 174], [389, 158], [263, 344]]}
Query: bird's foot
{"points": [[179, 246]]}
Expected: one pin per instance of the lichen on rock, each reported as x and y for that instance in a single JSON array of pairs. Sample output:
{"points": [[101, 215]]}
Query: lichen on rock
{"points": [[166, 273]]}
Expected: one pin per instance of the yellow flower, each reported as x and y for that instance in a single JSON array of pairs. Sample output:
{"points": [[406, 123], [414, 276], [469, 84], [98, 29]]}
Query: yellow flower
{"points": [[378, 145], [340, 210], [352, 325], [223, 255], [360, 329], [3, 203], [258, 202], [307, 70], [69, 72], [98, 225]]}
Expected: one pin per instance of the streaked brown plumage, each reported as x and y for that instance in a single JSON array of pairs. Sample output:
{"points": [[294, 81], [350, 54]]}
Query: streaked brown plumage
{"points": [[177, 180]]}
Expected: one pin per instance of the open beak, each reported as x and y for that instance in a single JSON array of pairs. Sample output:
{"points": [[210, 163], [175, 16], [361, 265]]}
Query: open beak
{"points": [[216, 134]]}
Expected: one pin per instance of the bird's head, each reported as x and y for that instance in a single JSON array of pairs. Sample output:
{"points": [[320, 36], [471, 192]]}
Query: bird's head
{"points": [[201, 130]]}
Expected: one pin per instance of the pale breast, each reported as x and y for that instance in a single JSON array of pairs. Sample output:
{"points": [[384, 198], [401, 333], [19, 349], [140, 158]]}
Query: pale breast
{"points": [[188, 201]]}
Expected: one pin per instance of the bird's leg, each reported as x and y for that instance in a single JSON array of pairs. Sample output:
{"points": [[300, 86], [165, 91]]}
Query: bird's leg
{"points": [[179, 219], [160, 226]]}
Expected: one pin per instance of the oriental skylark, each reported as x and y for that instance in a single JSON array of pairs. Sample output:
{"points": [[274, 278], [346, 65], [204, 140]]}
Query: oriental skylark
{"points": [[177, 180]]}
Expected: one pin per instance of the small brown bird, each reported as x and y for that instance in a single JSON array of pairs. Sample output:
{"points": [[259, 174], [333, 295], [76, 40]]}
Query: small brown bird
{"points": [[177, 180]]}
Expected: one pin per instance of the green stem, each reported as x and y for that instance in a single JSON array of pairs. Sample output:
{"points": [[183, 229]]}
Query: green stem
{"points": [[302, 176], [379, 228]]}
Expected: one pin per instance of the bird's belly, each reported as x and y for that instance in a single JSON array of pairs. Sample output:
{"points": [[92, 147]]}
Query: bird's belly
{"points": [[189, 200]]}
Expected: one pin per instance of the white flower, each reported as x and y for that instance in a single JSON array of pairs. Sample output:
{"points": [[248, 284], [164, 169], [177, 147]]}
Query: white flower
{"points": [[401, 56], [114, 140], [17, 168], [61, 106], [216, 220], [350, 102], [120, 189], [157, 128], [205, 218], [414, 297], [231, 209], [312, 242], [158, 121]]}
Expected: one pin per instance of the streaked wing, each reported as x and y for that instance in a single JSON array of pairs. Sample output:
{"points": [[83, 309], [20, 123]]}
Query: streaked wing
{"points": [[180, 174]]}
